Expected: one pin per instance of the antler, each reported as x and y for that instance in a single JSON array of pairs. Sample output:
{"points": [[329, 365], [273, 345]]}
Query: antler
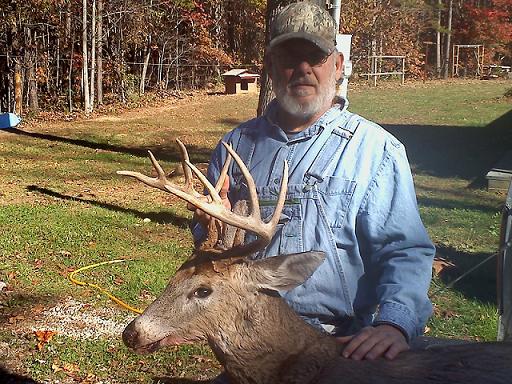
{"points": [[214, 207]]}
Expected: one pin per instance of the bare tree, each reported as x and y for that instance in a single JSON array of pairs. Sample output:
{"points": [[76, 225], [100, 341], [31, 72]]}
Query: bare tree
{"points": [[85, 68], [448, 41], [93, 52], [438, 38], [273, 8], [99, 52]]}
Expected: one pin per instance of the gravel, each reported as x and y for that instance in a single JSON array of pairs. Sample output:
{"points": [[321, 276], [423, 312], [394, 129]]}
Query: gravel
{"points": [[80, 320]]}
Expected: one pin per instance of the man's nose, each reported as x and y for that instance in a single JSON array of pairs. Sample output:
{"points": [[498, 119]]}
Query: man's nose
{"points": [[303, 67]]}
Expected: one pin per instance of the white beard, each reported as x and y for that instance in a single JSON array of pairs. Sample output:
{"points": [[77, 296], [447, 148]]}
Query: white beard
{"points": [[309, 109]]}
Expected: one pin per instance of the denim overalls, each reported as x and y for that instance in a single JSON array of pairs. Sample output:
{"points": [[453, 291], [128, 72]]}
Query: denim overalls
{"points": [[327, 188]]}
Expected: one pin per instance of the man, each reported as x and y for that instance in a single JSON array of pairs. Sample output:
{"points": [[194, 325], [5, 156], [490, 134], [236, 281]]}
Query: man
{"points": [[350, 194]]}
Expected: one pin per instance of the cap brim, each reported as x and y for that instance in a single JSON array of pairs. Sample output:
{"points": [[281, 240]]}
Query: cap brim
{"points": [[325, 45]]}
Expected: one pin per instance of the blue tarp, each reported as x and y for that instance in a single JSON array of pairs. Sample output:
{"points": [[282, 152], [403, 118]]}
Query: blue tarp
{"points": [[9, 120]]}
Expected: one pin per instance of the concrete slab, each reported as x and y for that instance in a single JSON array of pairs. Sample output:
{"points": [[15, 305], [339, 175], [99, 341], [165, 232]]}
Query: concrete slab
{"points": [[500, 176]]}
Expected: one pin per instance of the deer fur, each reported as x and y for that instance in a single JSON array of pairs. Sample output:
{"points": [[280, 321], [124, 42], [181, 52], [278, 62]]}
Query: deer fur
{"points": [[234, 304], [259, 339]]}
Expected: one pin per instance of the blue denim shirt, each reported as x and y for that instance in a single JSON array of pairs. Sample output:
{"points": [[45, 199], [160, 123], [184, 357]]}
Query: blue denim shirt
{"points": [[351, 195]]}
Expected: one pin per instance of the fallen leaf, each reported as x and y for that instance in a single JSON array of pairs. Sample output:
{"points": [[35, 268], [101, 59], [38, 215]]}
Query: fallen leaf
{"points": [[65, 253], [71, 368], [37, 309], [44, 337], [439, 265], [89, 379], [38, 264], [15, 319], [447, 314]]}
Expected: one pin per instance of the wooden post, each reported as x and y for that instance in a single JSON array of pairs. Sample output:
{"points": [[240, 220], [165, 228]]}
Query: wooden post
{"points": [[374, 70], [18, 90], [403, 70]]}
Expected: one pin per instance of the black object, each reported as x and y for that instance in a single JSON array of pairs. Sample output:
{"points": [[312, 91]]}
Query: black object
{"points": [[504, 272]]}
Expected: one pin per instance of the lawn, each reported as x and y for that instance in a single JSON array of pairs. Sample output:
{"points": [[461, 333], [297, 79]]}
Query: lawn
{"points": [[63, 207]]}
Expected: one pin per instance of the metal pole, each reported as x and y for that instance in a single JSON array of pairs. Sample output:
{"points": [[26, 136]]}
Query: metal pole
{"points": [[403, 70], [336, 13]]}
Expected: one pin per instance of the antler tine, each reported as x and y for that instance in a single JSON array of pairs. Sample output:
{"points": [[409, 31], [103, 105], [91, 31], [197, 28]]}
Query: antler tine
{"points": [[186, 170], [264, 230], [224, 172], [215, 206], [161, 181], [253, 196], [156, 182], [211, 189]]}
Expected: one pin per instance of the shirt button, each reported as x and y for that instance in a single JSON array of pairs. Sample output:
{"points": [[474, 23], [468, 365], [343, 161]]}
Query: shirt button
{"points": [[277, 180]]}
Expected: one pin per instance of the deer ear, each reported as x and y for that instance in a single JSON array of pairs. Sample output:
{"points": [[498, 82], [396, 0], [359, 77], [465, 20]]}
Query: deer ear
{"points": [[283, 273]]}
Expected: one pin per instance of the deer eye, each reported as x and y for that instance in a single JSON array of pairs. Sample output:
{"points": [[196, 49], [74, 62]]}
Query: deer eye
{"points": [[202, 292]]}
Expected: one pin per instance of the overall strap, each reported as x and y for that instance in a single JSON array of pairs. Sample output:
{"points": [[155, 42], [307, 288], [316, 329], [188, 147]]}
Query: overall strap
{"points": [[331, 150], [245, 149]]}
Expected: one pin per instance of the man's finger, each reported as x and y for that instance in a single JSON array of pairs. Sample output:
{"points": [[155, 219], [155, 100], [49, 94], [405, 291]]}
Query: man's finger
{"points": [[356, 342], [344, 339], [395, 349], [378, 349]]}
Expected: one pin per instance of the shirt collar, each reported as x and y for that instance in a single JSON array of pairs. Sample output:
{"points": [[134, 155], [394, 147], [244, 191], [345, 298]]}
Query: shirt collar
{"points": [[339, 106]]}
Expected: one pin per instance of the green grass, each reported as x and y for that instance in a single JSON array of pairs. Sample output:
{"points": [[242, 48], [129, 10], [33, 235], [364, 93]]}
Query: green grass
{"points": [[62, 207], [99, 360], [39, 243], [453, 132]]}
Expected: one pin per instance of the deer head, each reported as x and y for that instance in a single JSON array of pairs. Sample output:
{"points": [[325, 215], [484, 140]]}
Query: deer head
{"points": [[206, 295]]}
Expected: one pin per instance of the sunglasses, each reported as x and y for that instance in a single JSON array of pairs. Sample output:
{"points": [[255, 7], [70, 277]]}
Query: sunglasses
{"points": [[290, 58]]}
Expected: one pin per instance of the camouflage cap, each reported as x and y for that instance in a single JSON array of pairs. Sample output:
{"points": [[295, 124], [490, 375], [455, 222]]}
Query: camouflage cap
{"points": [[304, 20]]}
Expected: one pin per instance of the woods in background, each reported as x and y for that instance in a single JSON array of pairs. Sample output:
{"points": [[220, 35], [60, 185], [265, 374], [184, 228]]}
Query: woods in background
{"points": [[66, 55]]}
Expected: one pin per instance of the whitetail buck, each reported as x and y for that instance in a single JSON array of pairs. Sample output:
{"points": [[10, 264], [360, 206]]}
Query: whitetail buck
{"points": [[222, 297]]}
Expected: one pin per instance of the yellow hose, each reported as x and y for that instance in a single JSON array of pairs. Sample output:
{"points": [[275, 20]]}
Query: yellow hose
{"points": [[102, 290]]}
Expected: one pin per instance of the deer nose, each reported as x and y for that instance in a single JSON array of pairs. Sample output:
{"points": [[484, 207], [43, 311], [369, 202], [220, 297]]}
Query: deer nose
{"points": [[130, 335]]}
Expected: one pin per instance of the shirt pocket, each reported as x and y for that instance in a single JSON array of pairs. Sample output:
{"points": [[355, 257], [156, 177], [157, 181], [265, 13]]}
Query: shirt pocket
{"points": [[288, 234], [336, 195]]}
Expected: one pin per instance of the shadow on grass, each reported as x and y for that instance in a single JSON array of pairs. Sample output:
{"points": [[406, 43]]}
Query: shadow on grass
{"points": [[480, 284], [455, 204], [231, 122], [165, 153], [447, 151], [157, 217], [11, 378], [16, 303], [173, 380]]}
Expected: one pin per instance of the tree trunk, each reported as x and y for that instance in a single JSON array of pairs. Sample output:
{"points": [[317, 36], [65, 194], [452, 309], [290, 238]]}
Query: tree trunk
{"points": [[18, 88], [145, 69], [85, 69], [273, 7], [448, 41], [69, 43], [438, 39], [93, 52], [99, 53], [30, 63]]}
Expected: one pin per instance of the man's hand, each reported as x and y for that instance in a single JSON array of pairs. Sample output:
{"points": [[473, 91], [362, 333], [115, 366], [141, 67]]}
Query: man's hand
{"points": [[373, 342]]}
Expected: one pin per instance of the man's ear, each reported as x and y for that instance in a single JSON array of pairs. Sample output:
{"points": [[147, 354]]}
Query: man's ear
{"points": [[339, 65], [285, 272]]}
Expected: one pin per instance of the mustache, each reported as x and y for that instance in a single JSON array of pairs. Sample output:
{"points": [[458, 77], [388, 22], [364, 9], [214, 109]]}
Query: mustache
{"points": [[301, 82]]}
